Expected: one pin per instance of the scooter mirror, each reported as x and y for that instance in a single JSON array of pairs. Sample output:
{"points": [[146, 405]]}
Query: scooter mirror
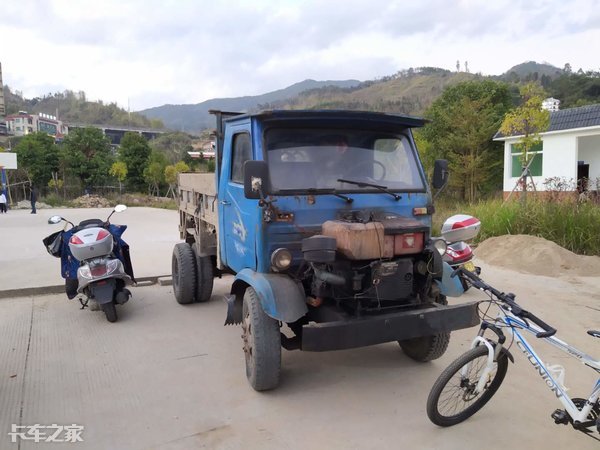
{"points": [[120, 208], [54, 219]]}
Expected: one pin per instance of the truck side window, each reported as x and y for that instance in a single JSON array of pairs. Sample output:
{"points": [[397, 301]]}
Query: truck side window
{"points": [[242, 152]]}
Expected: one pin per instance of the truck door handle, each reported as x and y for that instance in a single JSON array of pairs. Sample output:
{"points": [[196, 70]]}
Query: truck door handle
{"points": [[225, 202]]}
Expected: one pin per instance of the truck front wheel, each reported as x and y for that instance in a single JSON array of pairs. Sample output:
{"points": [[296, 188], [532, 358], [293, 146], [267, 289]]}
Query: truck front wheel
{"points": [[262, 344], [427, 348], [183, 269]]}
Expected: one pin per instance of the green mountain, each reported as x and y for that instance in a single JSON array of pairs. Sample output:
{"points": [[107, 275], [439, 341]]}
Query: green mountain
{"points": [[409, 91], [193, 118], [71, 107], [531, 67]]}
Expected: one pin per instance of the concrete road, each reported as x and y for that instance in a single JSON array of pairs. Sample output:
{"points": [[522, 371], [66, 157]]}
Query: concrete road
{"points": [[167, 376], [24, 262]]}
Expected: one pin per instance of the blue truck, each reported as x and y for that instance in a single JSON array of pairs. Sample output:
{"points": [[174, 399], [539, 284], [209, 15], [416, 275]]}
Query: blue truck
{"points": [[324, 220]]}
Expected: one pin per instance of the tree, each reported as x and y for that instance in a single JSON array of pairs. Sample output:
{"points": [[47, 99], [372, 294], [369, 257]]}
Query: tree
{"points": [[174, 145], [154, 173], [171, 174], [88, 155], [527, 121], [119, 171], [135, 153], [464, 120], [38, 157]]}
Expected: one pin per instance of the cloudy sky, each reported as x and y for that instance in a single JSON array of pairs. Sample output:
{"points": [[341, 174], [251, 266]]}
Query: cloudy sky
{"points": [[151, 52]]}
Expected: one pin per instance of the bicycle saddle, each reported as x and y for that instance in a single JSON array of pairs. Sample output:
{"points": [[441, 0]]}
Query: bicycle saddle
{"points": [[594, 333]]}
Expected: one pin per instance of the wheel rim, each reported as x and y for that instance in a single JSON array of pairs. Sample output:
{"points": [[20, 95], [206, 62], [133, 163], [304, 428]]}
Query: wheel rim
{"points": [[458, 395]]}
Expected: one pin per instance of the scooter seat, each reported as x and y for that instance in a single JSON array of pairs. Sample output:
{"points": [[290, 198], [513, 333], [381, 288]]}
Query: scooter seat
{"points": [[594, 333], [89, 223]]}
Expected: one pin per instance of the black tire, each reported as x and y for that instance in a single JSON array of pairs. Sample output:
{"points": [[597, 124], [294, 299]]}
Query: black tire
{"points": [[110, 310], [262, 344], [447, 397], [183, 269], [204, 277], [427, 348]]}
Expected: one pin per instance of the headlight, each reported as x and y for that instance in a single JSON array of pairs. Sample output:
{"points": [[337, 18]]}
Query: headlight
{"points": [[281, 259], [440, 245]]}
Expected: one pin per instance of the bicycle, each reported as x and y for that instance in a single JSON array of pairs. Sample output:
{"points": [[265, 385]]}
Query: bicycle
{"points": [[474, 377]]}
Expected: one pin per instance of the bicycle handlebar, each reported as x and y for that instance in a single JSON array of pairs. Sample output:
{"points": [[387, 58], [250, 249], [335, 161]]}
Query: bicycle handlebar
{"points": [[509, 299]]}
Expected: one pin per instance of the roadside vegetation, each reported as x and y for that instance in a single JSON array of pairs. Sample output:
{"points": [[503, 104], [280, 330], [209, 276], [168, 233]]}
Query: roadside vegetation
{"points": [[86, 163], [572, 224]]}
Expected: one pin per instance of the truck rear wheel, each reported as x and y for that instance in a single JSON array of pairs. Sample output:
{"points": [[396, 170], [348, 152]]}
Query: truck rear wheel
{"points": [[183, 268], [204, 277], [427, 348], [262, 344]]}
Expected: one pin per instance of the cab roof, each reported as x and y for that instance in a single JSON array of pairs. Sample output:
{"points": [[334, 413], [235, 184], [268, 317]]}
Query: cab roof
{"points": [[327, 114]]}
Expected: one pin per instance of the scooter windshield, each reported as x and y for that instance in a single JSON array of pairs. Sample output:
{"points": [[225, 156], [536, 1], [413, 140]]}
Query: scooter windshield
{"points": [[308, 159]]}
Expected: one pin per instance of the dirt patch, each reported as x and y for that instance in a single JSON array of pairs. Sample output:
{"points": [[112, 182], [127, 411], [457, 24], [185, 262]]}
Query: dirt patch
{"points": [[91, 201], [26, 204], [537, 256]]}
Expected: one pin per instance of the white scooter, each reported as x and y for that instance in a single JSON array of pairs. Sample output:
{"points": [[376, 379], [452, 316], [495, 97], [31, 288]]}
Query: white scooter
{"points": [[100, 253]]}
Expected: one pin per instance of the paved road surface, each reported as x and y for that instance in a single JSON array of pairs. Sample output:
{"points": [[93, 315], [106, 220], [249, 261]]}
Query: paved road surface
{"points": [[167, 376]]}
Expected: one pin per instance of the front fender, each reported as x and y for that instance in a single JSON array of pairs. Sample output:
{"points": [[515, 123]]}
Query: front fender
{"points": [[450, 286], [281, 297]]}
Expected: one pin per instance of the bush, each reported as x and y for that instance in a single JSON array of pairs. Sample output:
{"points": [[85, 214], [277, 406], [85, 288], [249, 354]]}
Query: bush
{"points": [[55, 201], [572, 225]]}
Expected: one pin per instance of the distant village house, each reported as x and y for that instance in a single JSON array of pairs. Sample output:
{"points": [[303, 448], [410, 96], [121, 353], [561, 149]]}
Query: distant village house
{"points": [[569, 151]]}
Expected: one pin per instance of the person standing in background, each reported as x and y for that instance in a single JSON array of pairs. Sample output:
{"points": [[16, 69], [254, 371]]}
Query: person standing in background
{"points": [[33, 198], [3, 208]]}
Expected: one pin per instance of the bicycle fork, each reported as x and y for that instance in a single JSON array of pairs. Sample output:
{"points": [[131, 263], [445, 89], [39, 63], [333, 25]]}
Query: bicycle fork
{"points": [[493, 353]]}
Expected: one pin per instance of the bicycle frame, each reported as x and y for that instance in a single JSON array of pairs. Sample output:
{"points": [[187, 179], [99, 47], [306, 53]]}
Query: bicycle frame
{"points": [[516, 325]]}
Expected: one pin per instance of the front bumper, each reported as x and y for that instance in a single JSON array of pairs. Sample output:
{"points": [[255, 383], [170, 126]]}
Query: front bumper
{"points": [[371, 330]]}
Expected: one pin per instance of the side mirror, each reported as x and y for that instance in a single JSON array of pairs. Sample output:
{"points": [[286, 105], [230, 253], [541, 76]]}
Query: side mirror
{"points": [[120, 208], [55, 219], [440, 173], [256, 179]]}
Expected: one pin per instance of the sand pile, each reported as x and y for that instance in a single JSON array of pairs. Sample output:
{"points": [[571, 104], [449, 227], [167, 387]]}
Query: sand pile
{"points": [[91, 201], [535, 255], [26, 204]]}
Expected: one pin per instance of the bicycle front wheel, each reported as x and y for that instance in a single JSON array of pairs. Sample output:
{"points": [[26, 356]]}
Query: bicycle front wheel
{"points": [[453, 399]]}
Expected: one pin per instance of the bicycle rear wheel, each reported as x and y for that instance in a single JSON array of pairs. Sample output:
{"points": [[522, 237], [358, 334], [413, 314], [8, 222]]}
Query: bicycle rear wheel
{"points": [[452, 398]]}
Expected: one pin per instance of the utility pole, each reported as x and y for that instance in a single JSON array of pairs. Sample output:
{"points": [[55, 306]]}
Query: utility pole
{"points": [[2, 105]]}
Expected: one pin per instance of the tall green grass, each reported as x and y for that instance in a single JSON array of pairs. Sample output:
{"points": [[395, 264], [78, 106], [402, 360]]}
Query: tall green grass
{"points": [[572, 225]]}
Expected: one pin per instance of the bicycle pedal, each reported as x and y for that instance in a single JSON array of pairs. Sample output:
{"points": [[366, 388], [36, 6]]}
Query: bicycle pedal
{"points": [[560, 416]]}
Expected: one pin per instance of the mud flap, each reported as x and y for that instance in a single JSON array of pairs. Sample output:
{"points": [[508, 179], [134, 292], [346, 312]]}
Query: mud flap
{"points": [[102, 291], [234, 310]]}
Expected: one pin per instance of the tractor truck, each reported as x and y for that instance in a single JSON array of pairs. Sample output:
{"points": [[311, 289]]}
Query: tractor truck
{"points": [[324, 220]]}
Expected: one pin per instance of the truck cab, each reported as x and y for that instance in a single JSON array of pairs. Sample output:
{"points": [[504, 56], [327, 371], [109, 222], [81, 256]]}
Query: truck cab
{"points": [[324, 218]]}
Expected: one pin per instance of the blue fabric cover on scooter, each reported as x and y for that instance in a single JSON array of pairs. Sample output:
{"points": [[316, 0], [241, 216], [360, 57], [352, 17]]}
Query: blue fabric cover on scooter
{"points": [[69, 264]]}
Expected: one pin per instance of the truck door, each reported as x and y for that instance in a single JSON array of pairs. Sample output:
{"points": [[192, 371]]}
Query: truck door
{"points": [[237, 215]]}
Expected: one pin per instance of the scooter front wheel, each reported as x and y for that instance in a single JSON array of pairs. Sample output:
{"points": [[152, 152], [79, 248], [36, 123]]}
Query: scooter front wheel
{"points": [[110, 310]]}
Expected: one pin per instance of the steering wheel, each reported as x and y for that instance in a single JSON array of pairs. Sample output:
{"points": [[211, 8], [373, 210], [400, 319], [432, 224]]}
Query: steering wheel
{"points": [[369, 164]]}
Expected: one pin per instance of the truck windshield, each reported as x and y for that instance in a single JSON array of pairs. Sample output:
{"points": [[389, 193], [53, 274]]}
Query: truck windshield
{"points": [[316, 158]]}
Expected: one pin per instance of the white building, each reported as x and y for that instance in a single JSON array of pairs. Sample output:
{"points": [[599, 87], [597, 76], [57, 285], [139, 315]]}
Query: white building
{"points": [[570, 151], [23, 123], [551, 104]]}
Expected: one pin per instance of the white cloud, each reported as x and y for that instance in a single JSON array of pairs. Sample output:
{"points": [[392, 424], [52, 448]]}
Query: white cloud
{"points": [[155, 52]]}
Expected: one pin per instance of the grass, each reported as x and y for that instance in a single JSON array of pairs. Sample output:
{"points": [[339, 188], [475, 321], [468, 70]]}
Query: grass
{"points": [[572, 225]]}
